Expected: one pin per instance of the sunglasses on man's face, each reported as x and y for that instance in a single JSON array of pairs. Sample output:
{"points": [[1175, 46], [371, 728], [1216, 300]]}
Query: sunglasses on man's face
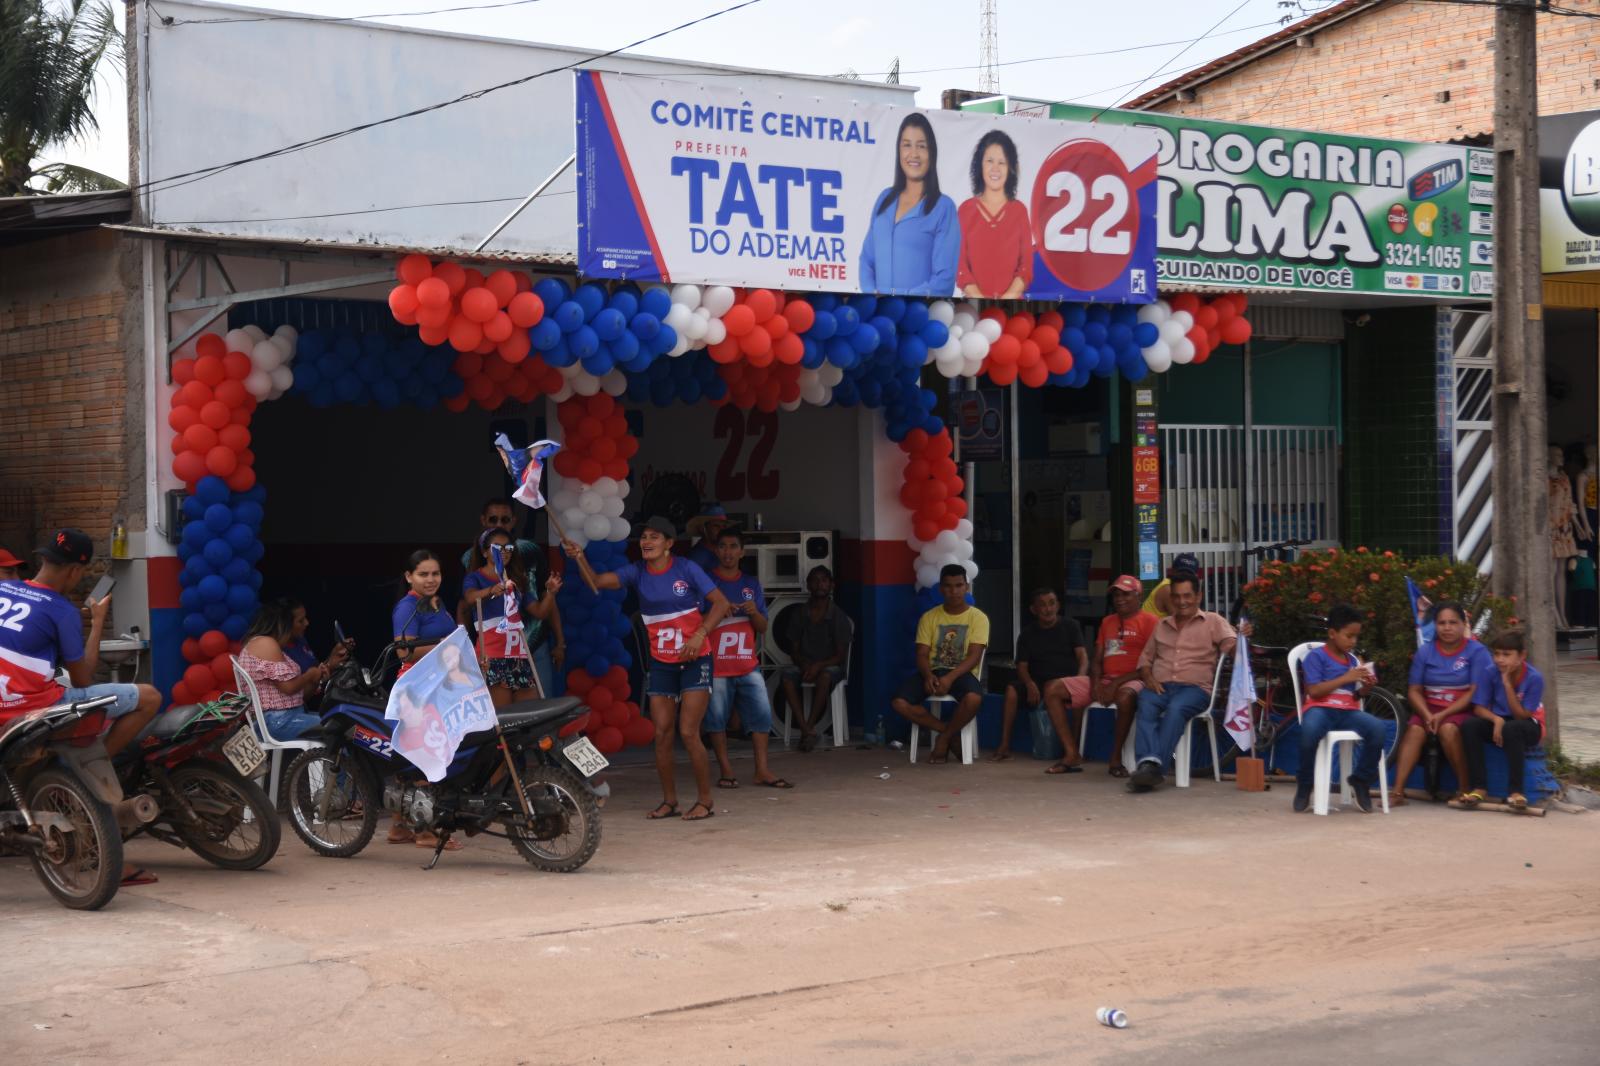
{"points": [[500, 520]]}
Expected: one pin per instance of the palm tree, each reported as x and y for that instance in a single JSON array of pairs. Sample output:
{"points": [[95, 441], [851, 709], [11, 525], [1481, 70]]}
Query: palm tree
{"points": [[49, 53]]}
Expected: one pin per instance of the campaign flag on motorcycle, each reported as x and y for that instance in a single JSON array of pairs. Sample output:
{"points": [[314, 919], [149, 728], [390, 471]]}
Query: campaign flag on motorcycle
{"points": [[1241, 696], [438, 702], [1424, 628], [526, 466]]}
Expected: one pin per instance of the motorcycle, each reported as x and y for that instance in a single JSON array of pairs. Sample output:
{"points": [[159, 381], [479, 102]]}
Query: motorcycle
{"points": [[62, 804], [525, 776], [206, 804]]}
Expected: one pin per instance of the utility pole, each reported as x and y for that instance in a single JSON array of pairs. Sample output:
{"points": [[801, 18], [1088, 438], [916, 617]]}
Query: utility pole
{"points": [[1522, 562]]}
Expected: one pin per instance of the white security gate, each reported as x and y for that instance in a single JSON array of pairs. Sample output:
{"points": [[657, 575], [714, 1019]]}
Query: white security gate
{"points": [[1220, 496]]}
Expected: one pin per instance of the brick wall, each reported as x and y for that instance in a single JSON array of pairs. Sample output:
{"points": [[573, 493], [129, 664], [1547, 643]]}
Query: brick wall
{"points": [[71, 436], [1377, 74]]}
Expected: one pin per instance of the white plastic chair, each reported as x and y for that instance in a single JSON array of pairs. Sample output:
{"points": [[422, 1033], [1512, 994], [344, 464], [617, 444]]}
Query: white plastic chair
{"points": [[1183, 755], [1083, 733], [839, 711], [969, 732], [1345, 739], [273, 746]]}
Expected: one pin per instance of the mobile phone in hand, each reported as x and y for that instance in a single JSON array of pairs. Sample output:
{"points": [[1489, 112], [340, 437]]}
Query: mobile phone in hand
{"points": [[338, 632], [102, 588]]}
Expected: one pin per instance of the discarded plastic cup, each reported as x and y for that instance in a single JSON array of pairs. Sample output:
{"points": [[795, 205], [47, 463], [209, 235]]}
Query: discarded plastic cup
{"points": [[1112, 1018], [883, 777], [897, 745]]}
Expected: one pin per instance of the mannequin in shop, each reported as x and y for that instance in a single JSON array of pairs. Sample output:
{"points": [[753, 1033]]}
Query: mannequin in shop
{"points": [[1586, 522], [1586, 492], [1563, 548]]}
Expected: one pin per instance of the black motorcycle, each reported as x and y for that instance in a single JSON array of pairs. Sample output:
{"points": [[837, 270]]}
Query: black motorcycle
{"points": [[523, 780]]}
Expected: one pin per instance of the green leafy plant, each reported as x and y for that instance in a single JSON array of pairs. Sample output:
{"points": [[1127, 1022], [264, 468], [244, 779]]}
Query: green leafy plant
{"points": [[1287, 600]]}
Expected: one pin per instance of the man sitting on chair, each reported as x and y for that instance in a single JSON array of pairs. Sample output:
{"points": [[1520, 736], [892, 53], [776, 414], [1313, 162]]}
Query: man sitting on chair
{"points": [[819, 642], [950, 642], [1178, 666]]}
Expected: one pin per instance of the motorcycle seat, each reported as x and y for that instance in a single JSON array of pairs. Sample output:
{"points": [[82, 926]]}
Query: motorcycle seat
{"points": [[169, 722], [537, 712]]}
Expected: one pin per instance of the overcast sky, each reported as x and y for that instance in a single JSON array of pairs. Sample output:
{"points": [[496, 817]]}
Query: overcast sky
{"points": [[1094, 51]]}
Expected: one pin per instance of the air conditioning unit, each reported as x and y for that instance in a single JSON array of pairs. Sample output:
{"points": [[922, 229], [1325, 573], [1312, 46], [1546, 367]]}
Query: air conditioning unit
{"points": [[783, 558]]}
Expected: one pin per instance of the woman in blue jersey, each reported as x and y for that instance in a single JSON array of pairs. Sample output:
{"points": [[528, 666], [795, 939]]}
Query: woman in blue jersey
{"points": [[500, 607], [678, 678], [1445, 676], [914, 239], [420, 615]]}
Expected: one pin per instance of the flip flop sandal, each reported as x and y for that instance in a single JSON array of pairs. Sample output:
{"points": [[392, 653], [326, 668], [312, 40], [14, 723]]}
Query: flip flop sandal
{"points": [[727, 782], [140, 876], [1517, 801], [688, 815], [450, 845], [779, 783], [663, 810], [406, 837], [1063, 768], [1118, 771], [1470, 799]]}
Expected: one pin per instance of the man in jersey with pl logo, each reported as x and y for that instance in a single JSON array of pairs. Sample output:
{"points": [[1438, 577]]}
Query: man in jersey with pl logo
{"points": [[736, 675]]}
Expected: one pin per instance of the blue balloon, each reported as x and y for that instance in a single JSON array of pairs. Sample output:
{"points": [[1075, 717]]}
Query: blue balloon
{"points": [[1073, 316], [347, 388], [584, 342], [240, 537], [886, 331], [812, 359], [195, 534], [369, 368], [625, 302], [841, 353], [212, 489], [1073, 338], [866, 306], [846, 319], [624, 346], [255, 580], [185, 551], [241, 599], [545, 335], [194, 508], [645, 325], [690, 391], [219, 516], [915, 318], [195, 625], [237, 571], [552, 292], [598, 363], [1145, 334], [591, 297], [596, 665], [934, 334], [865, 340], [609, 323], [913, 353], [254, 553], [213, 589], [1095, 333], [234, 625], [310, 344], [665, 340], [189, 599], [891, 307], [386, 393], [1119, 336], [217, 553], [656, 302], [306, 376], [823, 326]]}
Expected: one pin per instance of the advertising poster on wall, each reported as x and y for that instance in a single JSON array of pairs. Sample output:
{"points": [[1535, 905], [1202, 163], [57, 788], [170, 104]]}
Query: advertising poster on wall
{"points": [[1258, 207], [1569, 192], [709, 184]]}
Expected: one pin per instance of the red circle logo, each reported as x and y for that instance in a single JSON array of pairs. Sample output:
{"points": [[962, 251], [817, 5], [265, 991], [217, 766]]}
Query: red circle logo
{"points": [[1085, 214], [1398, 218]]}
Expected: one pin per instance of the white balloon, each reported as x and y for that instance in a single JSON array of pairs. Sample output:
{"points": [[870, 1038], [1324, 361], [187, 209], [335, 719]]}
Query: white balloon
{"points": [[1185, 319], [564, 393], [597, 526], [619, 529], [678, 316], [237, 340], [945, 542], [585, 384], [829, 374], [927, 577], [1158, 357], [287, 331], [563, 500], [266, 356], [963, 550], [284, 345], [789, 405], [258, 384], [964, 529], [575, 518], [1183, 350], [613, 507], [717, 299], [1155, 312], [590, 502], [950, 365], [942, 311], [972, 570], [686, 296], [1172, 331], [275, 393], [577, 536], [971, 367], [989, 328], [681, 347], [257, 334], [622, 490], [606, 486], [282, 378], [716, 332], [964, 321], [615, 383], [694, 327], [974, 345]]}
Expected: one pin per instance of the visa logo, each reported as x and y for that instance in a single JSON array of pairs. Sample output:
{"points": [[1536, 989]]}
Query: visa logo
{"points": [[1436, 179]]}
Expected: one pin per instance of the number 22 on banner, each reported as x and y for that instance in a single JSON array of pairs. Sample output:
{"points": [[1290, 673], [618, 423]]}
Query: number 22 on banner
{"points": [[1085, 214]]}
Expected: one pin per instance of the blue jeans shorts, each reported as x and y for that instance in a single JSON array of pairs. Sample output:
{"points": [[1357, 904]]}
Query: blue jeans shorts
{"points": [[749, 693], [127, 698], [673, 679]]}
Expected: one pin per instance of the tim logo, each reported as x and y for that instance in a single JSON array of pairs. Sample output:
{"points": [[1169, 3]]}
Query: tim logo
{"points": [[1436, 179], [680, 588]]}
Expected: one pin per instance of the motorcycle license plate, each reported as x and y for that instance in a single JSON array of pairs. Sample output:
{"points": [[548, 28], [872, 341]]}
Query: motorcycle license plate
{"points": [[244, 752], [586, 757]]}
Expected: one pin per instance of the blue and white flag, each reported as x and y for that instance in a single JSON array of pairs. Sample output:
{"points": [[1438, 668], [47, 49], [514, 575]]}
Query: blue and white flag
{"points": [[1419, 612], [438, 702], [1241, 697], [526, 466]]}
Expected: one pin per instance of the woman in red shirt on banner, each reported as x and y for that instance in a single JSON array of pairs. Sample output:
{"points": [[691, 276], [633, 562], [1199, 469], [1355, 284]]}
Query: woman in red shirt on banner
{"points": [[996, 240], [678, 678], [499, 606]]}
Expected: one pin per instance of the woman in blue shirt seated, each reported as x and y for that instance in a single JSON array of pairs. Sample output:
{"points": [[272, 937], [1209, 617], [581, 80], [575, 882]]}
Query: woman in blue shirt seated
{"points": [[420, 615], [914, 240]]}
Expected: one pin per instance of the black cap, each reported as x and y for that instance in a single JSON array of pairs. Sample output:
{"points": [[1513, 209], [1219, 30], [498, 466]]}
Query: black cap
{"points": [[69, 546], [661, 525]]}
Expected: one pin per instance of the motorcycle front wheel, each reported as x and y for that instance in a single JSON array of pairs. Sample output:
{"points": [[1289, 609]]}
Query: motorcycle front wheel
{"points": [[81, 866], [238, 828], [567, 832], [333, 802]]}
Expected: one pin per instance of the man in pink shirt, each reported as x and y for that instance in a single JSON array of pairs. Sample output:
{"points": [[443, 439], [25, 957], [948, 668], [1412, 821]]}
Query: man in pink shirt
{"points": [[1178, 666]]}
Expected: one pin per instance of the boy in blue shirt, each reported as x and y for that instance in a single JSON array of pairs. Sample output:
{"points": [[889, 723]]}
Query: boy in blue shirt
{"points": [[1509, 710], [1335, 681], [736, 679]]}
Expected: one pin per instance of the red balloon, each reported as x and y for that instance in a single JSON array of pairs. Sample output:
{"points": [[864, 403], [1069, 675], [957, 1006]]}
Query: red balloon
{"points": [[724, 351], [196, 394], [601, 405], [212, 643], [604, 449], [465, 334], [616, 716], [755, 344], [956, 507], [209, 369], [801, 315], [1052, 320], [525, 309], [1048, 338], [478, 305], [403, 300], [590, 471], [209, 344], [198, 678], [222, 670], [434, 316], [182, 417], [472, 278], [1205, 317], [192, 652], [457, 403], [497, 370], [608, 740], [600, 698], [567, 464], [579, 682], [502, 285], [214, 414], [739, 320], [1034, 376], [189, 466], [777, 325], [232, 394], [915, 441], [197, 438], [414, 269], [237, 365], [1002, 376], [240, 415], [925, 530], [1059, 361], [453, 276], [1236, 330], [182, 372], [1186, 301], [1004, 353], [433, 335], [222, 461], [181, 696], [524, 283], [789, 349], [432, 293], [1028, 355], [235, 437], [763, 304], [1019, 325], [515, 348], [639, 732]]}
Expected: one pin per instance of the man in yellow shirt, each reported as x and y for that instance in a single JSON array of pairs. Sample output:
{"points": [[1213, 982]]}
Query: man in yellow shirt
{"points": [[1159, 602], [951, 640]]}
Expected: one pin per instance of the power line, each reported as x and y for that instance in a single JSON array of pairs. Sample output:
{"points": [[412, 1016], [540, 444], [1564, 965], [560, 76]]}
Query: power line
{"points": [[362, 211], [1180, 52], [175, 181]]}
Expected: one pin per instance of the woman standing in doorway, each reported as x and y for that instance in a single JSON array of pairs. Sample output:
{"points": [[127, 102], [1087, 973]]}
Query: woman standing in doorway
{"points": [[1445, 676], [914, 238], [499, 606], [996, 240], [420, 615]]}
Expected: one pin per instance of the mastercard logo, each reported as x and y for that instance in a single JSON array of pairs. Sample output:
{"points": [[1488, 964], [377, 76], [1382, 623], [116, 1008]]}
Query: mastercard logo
{"points": [[1426, 215]]}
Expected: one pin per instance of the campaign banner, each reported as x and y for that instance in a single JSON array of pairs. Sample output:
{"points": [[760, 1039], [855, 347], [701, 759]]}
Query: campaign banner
{"points": [[438, 702], [1569, 192], [1257, 207], [712, 185]]}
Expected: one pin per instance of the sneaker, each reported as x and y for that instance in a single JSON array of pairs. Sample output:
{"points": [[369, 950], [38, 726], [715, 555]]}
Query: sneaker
{"points": [[1145, 778], [1302, 799], [1362, 792]]}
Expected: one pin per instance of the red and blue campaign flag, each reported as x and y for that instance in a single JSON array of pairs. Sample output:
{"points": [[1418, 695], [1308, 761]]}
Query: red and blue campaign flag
{"points": [[526, 466]]}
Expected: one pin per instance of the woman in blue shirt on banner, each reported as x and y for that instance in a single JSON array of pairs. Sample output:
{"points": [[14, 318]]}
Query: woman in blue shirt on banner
{"points": [[499, 608], [914, 239], [678, 677], [1446, 674]]}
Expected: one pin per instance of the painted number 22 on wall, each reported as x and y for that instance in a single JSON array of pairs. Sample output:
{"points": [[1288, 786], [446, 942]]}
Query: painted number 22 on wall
{"points": [[755, 481]]}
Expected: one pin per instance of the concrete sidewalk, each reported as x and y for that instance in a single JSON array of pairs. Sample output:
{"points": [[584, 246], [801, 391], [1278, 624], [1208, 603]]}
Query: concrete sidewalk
{"points": [[947, 914], [1578, 678]]}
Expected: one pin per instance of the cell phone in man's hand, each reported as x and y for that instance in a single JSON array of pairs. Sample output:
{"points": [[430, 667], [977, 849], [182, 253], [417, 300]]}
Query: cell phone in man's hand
{"points": [[102, 588]]}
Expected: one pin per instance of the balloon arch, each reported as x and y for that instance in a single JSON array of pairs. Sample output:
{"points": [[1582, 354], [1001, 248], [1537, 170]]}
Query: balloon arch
{"points": [[487, 339]]}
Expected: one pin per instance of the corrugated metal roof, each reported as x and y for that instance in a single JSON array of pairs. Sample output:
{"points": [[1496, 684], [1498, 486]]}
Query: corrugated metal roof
{"points": [[567, 260]]}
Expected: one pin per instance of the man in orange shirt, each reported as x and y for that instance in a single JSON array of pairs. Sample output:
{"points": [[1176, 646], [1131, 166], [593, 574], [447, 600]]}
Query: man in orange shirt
{"points": [[1114, 676], [1178, 667]]}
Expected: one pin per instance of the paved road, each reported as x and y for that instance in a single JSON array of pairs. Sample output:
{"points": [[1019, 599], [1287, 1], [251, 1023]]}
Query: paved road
{"points": [[948, 914]]}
